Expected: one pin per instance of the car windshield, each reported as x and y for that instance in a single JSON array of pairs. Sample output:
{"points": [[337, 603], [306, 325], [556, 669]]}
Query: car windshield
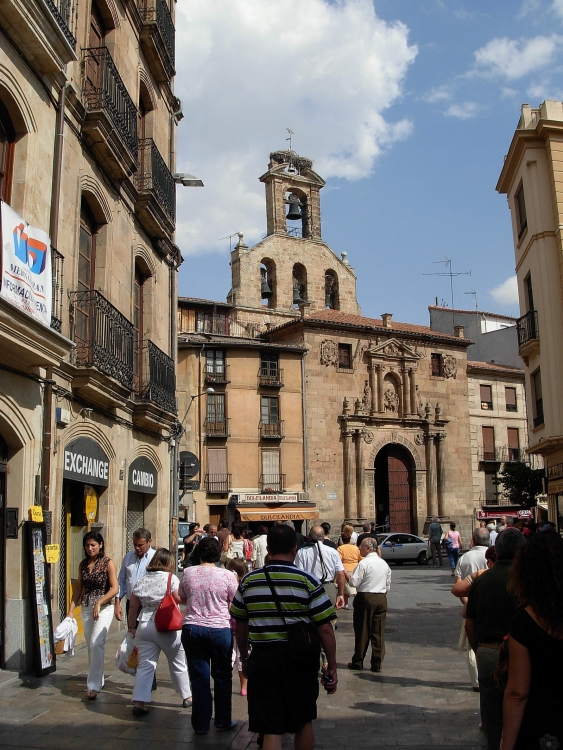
{"points": [[183, 530], [381, 537]]}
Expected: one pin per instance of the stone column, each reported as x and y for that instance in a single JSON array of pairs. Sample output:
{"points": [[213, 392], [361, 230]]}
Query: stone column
{"points": [[373, 389], [360, 490], [441, 472], [412, 379], [406, 398], [380, 401], [431, 499], [349, 477]]}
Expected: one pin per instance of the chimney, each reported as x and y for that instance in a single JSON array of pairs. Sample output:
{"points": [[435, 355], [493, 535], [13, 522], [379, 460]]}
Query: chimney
{"points": [[386, 318], [459, 332]]}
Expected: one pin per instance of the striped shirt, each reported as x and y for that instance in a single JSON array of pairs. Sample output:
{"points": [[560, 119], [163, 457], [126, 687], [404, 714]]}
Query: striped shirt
{"points": [[301, 597]]}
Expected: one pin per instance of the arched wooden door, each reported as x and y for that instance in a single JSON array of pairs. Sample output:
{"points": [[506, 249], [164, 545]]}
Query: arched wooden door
{"points": [[393, 488]]}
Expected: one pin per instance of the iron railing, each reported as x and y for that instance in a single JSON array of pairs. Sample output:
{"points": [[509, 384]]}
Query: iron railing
{"points": [[273, 430], [155, 381], [155, 177], [271, 482], [217, 427], [216, 373], [270, 377], [217, 482], [160, 14], [65, 12], [57, 262], [103, 336], [493, 498], [491, 453], [104, 90], [527, 327]]}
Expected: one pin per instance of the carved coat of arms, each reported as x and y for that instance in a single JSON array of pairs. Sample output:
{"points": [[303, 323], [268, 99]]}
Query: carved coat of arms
{"points": [[329, 352], [450, 366]]}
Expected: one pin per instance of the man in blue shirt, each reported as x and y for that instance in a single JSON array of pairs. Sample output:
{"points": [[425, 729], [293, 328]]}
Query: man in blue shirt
{"points": [[133, 568]]}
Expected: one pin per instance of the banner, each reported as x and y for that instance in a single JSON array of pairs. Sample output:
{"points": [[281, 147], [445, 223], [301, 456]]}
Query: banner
{"points": [[26, 266]]}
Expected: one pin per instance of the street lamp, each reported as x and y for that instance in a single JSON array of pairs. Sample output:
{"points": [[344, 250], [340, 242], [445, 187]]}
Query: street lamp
{"points": [[206, 392], [187, 180]]}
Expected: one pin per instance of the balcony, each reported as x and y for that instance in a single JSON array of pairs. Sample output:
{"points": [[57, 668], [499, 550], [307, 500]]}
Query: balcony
{"points": [[528, 334], [272, 430], [110, 122], [217, 483], [271, 483], [270, 377], [513, 455], [217, 427], [104, 347], [493, 498], [216, 373], [491, 453], [57, 261], [155, 386], [158, 39], [156, 202]]}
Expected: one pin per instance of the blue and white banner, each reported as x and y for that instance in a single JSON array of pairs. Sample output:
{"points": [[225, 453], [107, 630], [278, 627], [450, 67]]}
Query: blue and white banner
{"points": [[26, 266]]}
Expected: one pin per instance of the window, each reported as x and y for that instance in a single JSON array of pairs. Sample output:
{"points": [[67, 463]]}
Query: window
{"points": [[513, 444], [137, 322], [510, 399], [521, 220], [344, 356], [269, 409], [214, 362], [7, 148], [217, 477], [203, 322], [486, 394], [212, 322], [216, 408], [86, 270], [271, 478], [491, 488], [489, 453], [537, 398], [269, 364], [529, 293], [437, 365]]}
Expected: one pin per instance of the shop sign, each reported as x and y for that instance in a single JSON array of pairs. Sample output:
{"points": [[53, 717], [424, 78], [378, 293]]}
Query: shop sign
{"points": [[26, 266], [263, 498], [143, 476], [483, 515], [86, 462], [90, 505], [280, 514]]}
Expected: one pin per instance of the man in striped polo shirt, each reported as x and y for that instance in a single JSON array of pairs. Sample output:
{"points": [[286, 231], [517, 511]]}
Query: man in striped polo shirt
{"points": [[282, 694]]}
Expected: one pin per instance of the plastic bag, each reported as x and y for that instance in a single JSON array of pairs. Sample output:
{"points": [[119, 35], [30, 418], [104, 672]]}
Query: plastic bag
{"points": [[126, 656]]}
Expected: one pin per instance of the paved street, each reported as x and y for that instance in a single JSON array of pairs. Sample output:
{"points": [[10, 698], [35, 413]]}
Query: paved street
{"points": [[422, 699]]}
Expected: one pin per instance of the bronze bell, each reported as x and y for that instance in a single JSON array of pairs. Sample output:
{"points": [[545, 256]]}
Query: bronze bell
{"points": [[328, 299], [297, 300], [265, 287], [294, 212]]}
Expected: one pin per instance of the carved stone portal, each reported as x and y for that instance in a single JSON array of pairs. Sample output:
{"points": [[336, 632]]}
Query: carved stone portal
{"points": [[329, 352]]}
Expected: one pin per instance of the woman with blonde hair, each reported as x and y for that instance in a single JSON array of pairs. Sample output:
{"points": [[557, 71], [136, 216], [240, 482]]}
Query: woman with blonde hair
{"points": [[147, 595]]}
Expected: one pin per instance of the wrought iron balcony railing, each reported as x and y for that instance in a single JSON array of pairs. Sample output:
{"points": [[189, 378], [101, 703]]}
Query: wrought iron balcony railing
{"points": [[491, 453], [217, 427], [493, 498], [217, 482], [155, 380], [270, 377], [104, 90], [215, 373], [155, 177], [65, 12], [527, 327], [57, 262], [271, 482], [103, 336], [159, 13], [273, 430]]}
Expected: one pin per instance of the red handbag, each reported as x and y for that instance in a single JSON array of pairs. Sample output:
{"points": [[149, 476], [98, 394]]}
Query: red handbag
{"points": [[168, 615]]}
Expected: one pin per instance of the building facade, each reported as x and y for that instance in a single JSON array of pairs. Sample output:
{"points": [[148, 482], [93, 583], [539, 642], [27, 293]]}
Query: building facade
{"points": [[531, 180], [87, 406]]}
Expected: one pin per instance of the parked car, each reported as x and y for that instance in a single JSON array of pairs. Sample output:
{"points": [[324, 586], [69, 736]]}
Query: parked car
{"points": [[183, 530], [399, 548]]}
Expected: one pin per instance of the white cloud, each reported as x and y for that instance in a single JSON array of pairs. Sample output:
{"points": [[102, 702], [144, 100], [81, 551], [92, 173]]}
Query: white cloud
{"points": [[506, 293], [438, 94], [464, 111], [557, 7], [248, 69], [513, 59]]}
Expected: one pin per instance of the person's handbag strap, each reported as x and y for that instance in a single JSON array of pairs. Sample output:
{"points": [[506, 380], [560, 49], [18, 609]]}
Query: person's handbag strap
{"points": [[275, 597], [323, 566], [169, 585]]}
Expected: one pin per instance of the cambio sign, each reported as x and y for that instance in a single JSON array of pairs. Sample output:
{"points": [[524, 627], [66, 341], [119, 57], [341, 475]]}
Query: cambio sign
{"points": [[86, 462], [143, 476], [26, 266]]}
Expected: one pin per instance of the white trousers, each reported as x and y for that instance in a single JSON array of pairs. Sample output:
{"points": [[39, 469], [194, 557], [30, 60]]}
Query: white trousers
{"points": [[96, 632], [149, 644]]}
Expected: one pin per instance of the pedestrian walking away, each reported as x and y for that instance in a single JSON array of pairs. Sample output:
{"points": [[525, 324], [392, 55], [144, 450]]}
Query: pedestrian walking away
{"points": [[435, 533], [324, 563], [97, 585], [283, 687], [454, 545], [372, 581], [145, 601], [350, 556], [259, 547], [474, 559]]}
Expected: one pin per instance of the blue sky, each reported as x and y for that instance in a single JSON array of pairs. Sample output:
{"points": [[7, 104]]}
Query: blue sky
{"points": [[407, 109]]}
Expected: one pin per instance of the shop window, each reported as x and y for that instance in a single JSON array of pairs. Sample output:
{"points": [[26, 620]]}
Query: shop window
{"points": [[437, 365], [486, 395], [510, 399], [344, 356]]}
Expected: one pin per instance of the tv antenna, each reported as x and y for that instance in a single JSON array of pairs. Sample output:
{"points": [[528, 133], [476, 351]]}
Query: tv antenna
{"points": [[475, 298], [291, 133], [448, 263], [230, 238]]}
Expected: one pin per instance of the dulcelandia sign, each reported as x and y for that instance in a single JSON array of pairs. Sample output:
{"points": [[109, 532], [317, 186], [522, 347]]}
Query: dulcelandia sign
{"points": [[26, 266]]}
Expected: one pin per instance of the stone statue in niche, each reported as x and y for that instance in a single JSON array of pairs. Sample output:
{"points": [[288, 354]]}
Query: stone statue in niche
{"points": [[366, 401], [438, 410], [391, 400], [450, 366], [329, 352], [419, 404]]}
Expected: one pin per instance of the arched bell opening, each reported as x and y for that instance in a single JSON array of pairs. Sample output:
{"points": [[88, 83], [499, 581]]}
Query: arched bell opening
{"points": [[332, 297], [297, 216], [299, 278], [268, 282], [393, 483]]}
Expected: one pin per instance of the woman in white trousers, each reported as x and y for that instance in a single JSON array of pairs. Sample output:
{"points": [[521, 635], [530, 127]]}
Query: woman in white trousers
{"points": [[97, 585], [147, 595]]}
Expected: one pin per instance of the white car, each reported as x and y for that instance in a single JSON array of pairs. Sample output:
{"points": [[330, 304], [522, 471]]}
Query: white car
{"points": [[399, 548]]}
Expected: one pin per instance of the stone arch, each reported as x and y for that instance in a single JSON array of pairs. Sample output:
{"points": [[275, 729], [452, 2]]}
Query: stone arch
{"points": [[268, 271], [291, 193], [332, 290], [87, 428], [147, 92], [396, 438], [299, 280], [148, 452], [95, 197], [145, 260], [15, 428], [15, 100], [110, 13]]}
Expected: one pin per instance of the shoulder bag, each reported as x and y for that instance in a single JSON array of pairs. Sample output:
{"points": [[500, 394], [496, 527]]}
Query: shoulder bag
{"points": [[168, 615], [303, 637]]}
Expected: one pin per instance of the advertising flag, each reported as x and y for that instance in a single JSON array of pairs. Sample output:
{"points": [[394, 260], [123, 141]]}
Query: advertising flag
{"points": [[26, 266]]}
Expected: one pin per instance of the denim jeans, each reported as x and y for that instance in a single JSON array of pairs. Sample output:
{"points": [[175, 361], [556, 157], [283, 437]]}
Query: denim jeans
{"points": [[208, 652], [453, 554]]}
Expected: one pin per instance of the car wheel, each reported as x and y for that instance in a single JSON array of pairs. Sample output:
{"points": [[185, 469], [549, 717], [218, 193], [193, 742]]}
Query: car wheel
{"points": [[422, 559]]}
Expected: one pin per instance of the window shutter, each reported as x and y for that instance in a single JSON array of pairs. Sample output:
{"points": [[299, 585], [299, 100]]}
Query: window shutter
{"points": [[510, 396], [513, 437], [216, 461], [270, 463]]}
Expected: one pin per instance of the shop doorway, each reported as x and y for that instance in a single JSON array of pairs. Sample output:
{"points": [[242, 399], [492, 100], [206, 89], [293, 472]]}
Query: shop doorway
{"points": [[393, 489], [135, 516]]}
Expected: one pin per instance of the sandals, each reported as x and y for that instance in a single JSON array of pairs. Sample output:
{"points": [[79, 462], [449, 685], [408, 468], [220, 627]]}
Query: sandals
{"points": [[92, 695]]}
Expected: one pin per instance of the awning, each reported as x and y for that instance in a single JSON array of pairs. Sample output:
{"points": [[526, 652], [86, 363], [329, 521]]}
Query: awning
{"points": [[555, 488], [277, 514]]}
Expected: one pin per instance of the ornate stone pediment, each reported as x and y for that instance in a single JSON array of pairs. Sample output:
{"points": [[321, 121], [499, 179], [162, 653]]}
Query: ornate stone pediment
{"points": [[393, 349]]}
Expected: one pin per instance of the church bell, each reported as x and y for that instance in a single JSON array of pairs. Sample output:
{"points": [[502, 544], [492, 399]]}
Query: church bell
{"points": [[265, 287], [294, 212]]}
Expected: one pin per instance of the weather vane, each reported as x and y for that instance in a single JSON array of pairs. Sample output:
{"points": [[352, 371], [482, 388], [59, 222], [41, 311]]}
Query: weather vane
{"points": [[290, 131]]}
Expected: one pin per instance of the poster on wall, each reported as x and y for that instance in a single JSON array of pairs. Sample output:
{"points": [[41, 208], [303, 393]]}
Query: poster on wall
{"points": [[26, 266], [40, 595]]}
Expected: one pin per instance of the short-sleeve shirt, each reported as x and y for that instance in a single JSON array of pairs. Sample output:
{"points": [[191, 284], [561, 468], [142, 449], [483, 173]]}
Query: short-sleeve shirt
{"points": [[435, 532], [209, 591], [322, 561], [350, 556], [490, 604], [151, 589], [301, 597]]}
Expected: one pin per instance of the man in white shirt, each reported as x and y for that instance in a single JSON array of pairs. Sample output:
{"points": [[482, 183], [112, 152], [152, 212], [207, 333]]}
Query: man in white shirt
{"points": [[133, 568], [474, 559], [259, 550], [325, 564], [372, 580]]}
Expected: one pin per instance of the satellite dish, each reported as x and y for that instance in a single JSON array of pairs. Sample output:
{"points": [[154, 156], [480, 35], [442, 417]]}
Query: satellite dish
{"points": [[189, 468]]}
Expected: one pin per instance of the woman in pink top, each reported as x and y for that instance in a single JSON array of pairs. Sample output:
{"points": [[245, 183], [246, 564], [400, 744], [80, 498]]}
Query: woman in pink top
{"points": [[453, 544], [207, 638]]}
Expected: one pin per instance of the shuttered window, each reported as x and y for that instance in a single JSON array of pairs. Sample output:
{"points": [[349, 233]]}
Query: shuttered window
{"points": [[345, 356], [486, 393], [510, 398], [488, 443], [513, 444], [436, 363], [217, 461]]}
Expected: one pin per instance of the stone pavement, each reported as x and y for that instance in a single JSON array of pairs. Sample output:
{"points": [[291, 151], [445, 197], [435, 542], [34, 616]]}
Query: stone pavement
{"points": [[422, 699]]}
